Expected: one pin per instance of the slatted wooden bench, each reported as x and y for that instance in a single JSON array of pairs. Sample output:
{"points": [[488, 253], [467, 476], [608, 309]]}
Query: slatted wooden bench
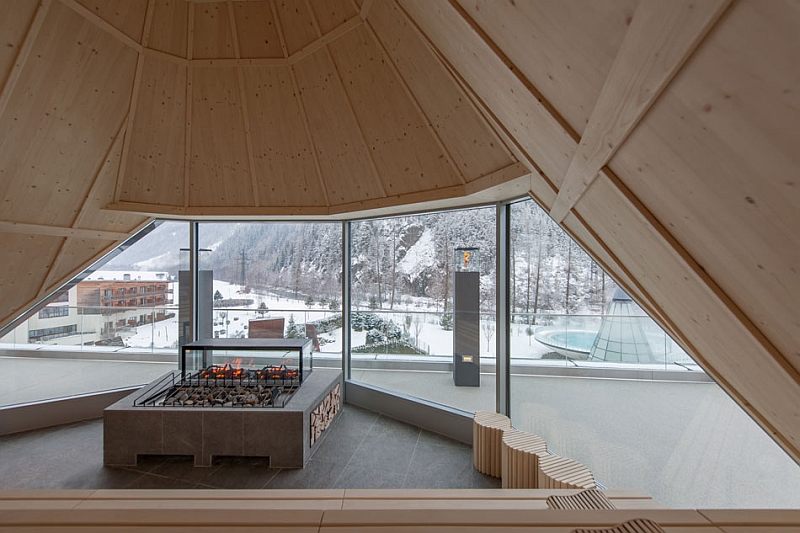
{"points": [[638, 525], [487, 436], [585, 499], [520, 452], [562, 473], [351, 511]]}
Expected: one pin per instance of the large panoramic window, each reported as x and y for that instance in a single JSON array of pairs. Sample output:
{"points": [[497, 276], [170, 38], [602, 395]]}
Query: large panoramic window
{"points": [[115, 326], [273, 280], [595, 377], [403, 297]]}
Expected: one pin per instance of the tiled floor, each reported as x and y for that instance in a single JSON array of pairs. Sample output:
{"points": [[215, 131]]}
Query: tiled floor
{"points": [[361, 450]]}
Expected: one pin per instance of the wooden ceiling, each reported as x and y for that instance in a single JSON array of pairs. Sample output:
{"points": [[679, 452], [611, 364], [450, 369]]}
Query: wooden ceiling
{"points": [[661, 134]]}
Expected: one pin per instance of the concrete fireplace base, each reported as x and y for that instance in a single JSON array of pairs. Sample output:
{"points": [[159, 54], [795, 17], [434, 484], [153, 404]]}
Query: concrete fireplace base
{"points": [[283, 435]]}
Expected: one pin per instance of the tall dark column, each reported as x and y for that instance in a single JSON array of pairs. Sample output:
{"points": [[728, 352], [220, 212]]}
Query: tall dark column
{"points": [[467, 323]]}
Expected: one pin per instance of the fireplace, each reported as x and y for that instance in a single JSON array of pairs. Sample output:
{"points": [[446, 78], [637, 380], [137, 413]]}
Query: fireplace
{"points": [[257, 398], [227, 385]]}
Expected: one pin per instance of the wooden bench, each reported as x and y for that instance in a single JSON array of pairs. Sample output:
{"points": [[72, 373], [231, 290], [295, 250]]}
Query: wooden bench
{"points": [[638, 525], [585, 499], [350, 511], [520, 452], [561, 473], [487, 436]]}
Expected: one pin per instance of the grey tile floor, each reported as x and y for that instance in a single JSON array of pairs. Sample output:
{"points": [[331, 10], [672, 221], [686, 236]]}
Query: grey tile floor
{"points": [[361, 450]]}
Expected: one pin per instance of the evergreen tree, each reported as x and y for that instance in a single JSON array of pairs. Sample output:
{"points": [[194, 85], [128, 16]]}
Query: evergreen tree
{"points": [[292, 331]]}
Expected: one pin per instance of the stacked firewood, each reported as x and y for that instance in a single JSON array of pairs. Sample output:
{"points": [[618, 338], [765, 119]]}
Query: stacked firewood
{"points": [[322, 415]]}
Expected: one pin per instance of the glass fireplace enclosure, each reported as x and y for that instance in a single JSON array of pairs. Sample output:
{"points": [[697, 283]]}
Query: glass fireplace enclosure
{"points": [[274, 358]]}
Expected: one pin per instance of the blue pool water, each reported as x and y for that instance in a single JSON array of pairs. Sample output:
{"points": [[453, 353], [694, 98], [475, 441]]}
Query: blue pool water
{"points": [[576, 341]]}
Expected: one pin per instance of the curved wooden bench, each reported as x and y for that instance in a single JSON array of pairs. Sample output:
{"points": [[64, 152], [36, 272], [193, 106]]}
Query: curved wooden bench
{"points": [[637, 525], [561, 473], [487, 435], [520, 452], [585, 499]]}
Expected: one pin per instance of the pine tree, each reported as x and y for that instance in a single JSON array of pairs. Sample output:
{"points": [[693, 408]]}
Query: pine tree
{"points": [[292, 331]]}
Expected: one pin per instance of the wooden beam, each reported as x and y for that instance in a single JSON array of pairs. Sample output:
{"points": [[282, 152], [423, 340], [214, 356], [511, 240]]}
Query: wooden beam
{"points": [[660, 39], [24, 52], [151, 52], [60, 231], [108, 28]]}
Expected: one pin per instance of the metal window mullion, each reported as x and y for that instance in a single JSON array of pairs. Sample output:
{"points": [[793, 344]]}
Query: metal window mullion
{"points": [[503, 311], [346, 298]]}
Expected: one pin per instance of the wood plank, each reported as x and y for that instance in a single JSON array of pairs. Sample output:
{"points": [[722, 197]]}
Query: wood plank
{"points": [[245, 114], [332, 13], [170, 26], [504, 90], [25, 263], [563, 48], [24, 50], [406, 155], [126, 16], [212, 37], [187, 144], [155, 165], [415, 102], [660, 38], [753, 517], [295, 23], [103, 24], [56, 127], [219, 169], [342, 155], [471, 143], [284, 161], [325, 39], [506, 517], [257, 30], [15, 26]]}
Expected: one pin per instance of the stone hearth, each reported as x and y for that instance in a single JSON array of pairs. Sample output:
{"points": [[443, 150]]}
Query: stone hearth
{"points": [[284, 435]]}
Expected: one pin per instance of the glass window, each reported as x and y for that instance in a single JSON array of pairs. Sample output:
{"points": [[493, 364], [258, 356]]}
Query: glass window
{"points": [[101, 339], [619, 395], [403, 318], [273, 279]]}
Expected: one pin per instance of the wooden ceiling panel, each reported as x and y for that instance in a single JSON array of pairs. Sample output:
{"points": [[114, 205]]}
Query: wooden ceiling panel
{"points": [[14, 25], [75, 256], [284, 159], [212, 32], [220, 172], [170, 21], [92, 214], [125, 15], [155, 166], [342, 155], [332, 13], [62, 116], [296, 24], [716, 160], [404, 150], [256, 30], [565, 48], [24, 264], [710, 328], [471, 143], [542, 138]]}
